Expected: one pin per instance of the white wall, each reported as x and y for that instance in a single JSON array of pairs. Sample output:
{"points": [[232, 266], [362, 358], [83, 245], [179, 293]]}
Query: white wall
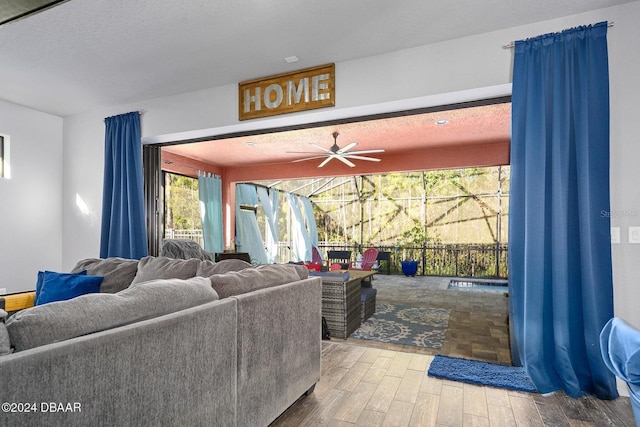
{"points": [[458, 65], [30, 200]]}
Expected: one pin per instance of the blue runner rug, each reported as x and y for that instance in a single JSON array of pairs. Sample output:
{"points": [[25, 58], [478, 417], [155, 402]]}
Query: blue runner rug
{"points": [[482, 373], [405, 325]]}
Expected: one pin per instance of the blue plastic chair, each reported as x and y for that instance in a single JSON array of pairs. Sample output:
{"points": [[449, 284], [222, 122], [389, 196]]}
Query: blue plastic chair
{"points": [[620, 347]]}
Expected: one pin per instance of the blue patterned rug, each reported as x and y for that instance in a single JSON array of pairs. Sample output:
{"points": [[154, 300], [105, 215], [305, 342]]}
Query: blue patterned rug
{"points": [[405, 325], [482, 373]]}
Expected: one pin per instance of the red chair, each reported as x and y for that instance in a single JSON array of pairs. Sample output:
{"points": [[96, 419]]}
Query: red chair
{"points": [[369, 258], [316, 260], [335, 266]]}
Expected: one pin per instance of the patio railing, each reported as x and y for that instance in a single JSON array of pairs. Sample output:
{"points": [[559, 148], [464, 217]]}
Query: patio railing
{"points": [[482, 261]]}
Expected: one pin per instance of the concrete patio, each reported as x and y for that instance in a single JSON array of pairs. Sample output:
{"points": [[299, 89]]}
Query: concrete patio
{"points": [[478, 323]]}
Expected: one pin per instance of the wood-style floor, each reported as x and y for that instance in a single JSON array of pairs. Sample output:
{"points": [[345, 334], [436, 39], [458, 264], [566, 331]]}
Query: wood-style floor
{"points": [[372, 384], [364, 386]]}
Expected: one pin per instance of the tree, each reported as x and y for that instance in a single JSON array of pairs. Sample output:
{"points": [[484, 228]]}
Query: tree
{"points": [[182, 203]]}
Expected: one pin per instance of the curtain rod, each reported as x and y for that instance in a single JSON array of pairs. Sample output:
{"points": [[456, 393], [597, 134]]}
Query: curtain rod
{"points": [[512, 44], [141, 112]]}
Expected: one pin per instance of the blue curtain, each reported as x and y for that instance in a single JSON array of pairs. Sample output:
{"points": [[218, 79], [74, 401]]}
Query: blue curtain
{"points": [[248, 236], [561, 291], [269, 200], [124, 232], [210, 195]]}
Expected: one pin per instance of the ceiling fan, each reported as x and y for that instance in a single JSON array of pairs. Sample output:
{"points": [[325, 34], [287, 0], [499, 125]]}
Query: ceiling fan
{"points": [[343, 154]]}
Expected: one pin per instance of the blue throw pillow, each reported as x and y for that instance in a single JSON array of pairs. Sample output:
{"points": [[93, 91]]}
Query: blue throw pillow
{"points": [[52, 286], [41, 280]]}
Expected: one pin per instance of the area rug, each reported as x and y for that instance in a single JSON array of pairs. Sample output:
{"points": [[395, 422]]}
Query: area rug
{"points": [[482, 373], [405, 325]]}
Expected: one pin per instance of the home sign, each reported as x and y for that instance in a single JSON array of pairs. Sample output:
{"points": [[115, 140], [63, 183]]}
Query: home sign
{"points": [[300, 90]]}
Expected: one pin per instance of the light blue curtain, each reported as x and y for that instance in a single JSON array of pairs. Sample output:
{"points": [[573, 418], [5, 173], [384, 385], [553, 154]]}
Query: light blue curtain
{"points": [[310, 219], [561, 291], [123, 230], [210, 195], [248, 236], [301, 250], [269, 201]]}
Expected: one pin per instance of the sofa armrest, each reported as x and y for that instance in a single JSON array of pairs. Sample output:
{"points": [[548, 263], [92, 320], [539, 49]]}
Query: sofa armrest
{"points": [[19, 301], [279, 348], [176, 369]]}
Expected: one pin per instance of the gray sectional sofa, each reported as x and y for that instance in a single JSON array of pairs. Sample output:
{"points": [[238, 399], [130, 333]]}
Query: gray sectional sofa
{"points": [[166, 342]]}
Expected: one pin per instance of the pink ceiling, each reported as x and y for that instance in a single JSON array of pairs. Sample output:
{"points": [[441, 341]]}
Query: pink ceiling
{"points": [[403, 138]]}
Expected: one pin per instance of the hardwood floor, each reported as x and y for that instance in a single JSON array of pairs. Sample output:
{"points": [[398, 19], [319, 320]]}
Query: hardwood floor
{"points": [[364, 386], [373, 384]]}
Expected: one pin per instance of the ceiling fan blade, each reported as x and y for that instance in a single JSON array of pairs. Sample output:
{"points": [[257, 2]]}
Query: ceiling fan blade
{"points": [[370, 159], [345, 161], [347, 147], [366, 152], [325, 161], [308, 158], [322, 148]]}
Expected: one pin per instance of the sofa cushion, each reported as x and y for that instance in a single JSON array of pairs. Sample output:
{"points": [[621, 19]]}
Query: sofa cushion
{"points": [[118, 273], [302, 270], [151, 268], [184, 249], [52, 286], [208, 268], [5, 346], [90, 313], [251, 279]]}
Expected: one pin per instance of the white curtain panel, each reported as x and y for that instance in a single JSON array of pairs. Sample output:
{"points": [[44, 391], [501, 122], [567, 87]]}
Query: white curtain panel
{"points": [[269, 201], [248, 236], [301, 243]]}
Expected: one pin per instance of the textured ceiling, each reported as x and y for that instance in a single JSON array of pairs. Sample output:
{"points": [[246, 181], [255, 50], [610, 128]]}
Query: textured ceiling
{"points": [[89, 54], [465, 126]]}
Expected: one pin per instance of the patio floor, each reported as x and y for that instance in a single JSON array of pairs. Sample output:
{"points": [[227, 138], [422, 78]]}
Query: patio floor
{"points": [[478, 323]]}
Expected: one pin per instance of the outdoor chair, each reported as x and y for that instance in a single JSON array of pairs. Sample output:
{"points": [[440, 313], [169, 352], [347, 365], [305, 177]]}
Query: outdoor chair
{"points": [[385, 256], [369, 258], [341, 257], [316, 260]]}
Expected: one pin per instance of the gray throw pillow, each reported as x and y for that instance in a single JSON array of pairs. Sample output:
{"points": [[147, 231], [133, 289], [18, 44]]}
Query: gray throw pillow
{"points": [[118, 273], [5, 343], [151, 268], [86, 314], [251, 279], [208, 268]]}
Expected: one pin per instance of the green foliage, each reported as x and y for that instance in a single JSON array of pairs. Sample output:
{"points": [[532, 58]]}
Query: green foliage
{"points": [[417, 236], [182, 206]]}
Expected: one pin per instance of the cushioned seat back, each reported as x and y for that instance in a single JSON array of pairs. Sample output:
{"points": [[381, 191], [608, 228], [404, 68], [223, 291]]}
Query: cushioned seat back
{"points": [[184, 249]]}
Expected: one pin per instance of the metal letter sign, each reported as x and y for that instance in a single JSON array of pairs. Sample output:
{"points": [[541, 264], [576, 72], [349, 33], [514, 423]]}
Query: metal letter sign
{"points": [[287, 93]]}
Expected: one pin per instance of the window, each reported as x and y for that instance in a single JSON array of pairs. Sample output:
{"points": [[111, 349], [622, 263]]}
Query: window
{"points": [[4, 156]]}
